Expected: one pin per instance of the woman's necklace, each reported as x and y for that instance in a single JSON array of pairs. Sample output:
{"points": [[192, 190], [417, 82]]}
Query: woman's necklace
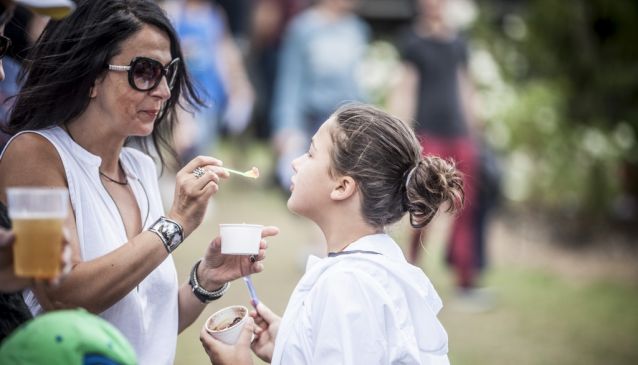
{"points": [[123, 183]]}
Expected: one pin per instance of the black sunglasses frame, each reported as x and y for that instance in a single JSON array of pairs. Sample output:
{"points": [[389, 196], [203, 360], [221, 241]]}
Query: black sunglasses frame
{"points": [[163, 72]]}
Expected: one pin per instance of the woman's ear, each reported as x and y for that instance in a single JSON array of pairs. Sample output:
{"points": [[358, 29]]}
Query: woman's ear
{"points": [[344, 188], [93, 91]]}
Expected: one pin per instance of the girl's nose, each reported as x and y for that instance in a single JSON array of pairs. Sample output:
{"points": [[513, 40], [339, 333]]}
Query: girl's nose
{"points": [[296, 162]]}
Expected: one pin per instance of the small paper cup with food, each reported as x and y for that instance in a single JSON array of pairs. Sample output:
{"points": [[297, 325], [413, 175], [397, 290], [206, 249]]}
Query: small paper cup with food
{"points": [[226, 324]]}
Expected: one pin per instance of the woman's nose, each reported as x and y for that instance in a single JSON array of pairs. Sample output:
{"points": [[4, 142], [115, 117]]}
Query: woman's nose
{"points": [[162, 90]]}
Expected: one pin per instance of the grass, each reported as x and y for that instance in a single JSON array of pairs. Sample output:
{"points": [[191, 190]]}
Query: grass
{"points": [[541, 318]]}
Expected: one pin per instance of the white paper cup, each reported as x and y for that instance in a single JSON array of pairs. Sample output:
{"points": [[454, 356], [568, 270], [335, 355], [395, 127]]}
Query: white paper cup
{"points": [[240, 239], [224, 324]]}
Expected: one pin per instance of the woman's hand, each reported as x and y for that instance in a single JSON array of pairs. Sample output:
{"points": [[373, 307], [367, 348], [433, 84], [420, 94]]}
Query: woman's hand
{"points": [[217, 269], [223, 354], [192, 193], [267, 326]]}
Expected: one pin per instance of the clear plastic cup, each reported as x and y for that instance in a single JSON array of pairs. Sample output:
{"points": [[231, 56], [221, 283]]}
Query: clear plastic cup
{"points": [[38, 215]]}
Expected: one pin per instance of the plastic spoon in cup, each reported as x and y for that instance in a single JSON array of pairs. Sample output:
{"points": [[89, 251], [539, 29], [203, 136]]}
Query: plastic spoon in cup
{"points": [[252, 173], [251, 289]]}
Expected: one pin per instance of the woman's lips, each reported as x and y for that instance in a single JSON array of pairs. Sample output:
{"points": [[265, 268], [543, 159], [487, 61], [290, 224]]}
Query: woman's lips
{"points": [[151, 113]]}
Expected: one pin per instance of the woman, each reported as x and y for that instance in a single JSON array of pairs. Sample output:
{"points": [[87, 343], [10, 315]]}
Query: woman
{"points": [[108, 74]]}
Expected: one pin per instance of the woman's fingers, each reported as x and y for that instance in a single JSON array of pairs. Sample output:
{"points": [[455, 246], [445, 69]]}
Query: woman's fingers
{"points": [[201, 175], [195, 184], [256, 267], [199, 161], [219, 171], [216, 244], [269, 231]]}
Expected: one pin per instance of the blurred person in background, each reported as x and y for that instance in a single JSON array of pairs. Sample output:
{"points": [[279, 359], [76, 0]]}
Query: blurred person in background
{"points": [[217, 68], [108, 75], [436, 93], [12, 307], [23, 29], [268, 21], [322, 49]]}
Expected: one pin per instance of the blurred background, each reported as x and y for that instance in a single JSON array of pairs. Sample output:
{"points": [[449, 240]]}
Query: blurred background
{"points": [[556, 103]]}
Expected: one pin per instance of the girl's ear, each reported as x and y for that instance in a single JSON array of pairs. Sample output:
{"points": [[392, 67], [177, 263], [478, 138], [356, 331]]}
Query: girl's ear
{"points": [[344, 188]]}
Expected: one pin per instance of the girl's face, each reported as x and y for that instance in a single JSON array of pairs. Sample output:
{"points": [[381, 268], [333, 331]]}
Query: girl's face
{"points": [[312, 181], [129, 111]]}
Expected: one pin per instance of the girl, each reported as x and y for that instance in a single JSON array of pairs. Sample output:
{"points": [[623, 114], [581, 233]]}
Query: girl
{"points": [[363, 303]]}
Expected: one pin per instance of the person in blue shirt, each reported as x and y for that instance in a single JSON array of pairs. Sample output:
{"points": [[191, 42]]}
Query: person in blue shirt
{"points": [[322, 49]]}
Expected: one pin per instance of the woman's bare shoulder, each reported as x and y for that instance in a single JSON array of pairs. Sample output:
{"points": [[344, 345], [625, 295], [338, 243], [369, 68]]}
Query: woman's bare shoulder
{"points": [[31, 160]]}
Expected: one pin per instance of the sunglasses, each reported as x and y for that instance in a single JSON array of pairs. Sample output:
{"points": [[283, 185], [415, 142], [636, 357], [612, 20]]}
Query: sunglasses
{"points": [[5, 44], [144, 74]]}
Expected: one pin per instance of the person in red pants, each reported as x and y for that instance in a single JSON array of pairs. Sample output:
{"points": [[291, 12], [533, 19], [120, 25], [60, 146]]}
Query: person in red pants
{"points": [[435, 92]]}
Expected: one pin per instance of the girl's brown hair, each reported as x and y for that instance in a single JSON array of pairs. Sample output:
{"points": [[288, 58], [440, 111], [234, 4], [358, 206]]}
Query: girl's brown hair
{"points": [[382, 154]]}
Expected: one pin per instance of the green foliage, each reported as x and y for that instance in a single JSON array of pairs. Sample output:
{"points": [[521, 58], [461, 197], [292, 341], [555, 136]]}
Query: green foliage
{"points": [[565, 106]]}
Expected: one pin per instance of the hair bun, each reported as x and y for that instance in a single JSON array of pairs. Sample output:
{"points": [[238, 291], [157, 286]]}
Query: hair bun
{"points": [[432, 183]]}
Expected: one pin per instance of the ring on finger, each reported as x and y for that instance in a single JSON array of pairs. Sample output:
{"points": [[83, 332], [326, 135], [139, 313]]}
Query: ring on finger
{"points": [[253, 258], [199, 172]]}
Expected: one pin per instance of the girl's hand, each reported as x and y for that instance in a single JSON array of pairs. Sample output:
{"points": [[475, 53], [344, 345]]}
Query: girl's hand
{"points": [[192, 193], [267, 326], [217, 269], [224, 354]]}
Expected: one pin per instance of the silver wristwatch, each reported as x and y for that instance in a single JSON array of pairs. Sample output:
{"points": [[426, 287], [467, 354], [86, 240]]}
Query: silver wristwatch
{"points": [[169, 231]]}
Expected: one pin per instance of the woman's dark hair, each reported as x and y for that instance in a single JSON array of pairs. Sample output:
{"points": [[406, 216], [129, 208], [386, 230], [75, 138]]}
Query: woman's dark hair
{"points": [[71, 54], [382, 154]]}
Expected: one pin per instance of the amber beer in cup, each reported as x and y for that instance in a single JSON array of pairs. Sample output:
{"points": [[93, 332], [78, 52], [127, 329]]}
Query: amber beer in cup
{"points": [[37, 215]]}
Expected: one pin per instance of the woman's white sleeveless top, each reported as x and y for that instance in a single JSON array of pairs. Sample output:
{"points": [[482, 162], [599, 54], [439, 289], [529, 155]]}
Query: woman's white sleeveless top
{"points": [[148, 315]]}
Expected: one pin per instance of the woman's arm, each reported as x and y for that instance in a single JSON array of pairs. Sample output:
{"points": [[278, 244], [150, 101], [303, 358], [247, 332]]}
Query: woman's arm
{"points": [[99, 283]]}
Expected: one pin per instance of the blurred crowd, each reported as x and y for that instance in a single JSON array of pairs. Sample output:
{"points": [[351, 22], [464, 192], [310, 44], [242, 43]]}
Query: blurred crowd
{"points": [[275, 70]]}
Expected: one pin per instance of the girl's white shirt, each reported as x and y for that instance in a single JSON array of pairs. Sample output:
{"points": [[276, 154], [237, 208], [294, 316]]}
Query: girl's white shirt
{"points": [[148, 315], [363, 308]]}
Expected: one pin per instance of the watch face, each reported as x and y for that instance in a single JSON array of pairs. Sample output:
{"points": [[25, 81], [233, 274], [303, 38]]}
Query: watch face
{"points": [[176, 238], [171, 233]]}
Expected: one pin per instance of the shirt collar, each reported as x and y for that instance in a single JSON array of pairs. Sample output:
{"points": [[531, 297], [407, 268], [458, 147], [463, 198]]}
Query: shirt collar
{"points": [[380, 243]]}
